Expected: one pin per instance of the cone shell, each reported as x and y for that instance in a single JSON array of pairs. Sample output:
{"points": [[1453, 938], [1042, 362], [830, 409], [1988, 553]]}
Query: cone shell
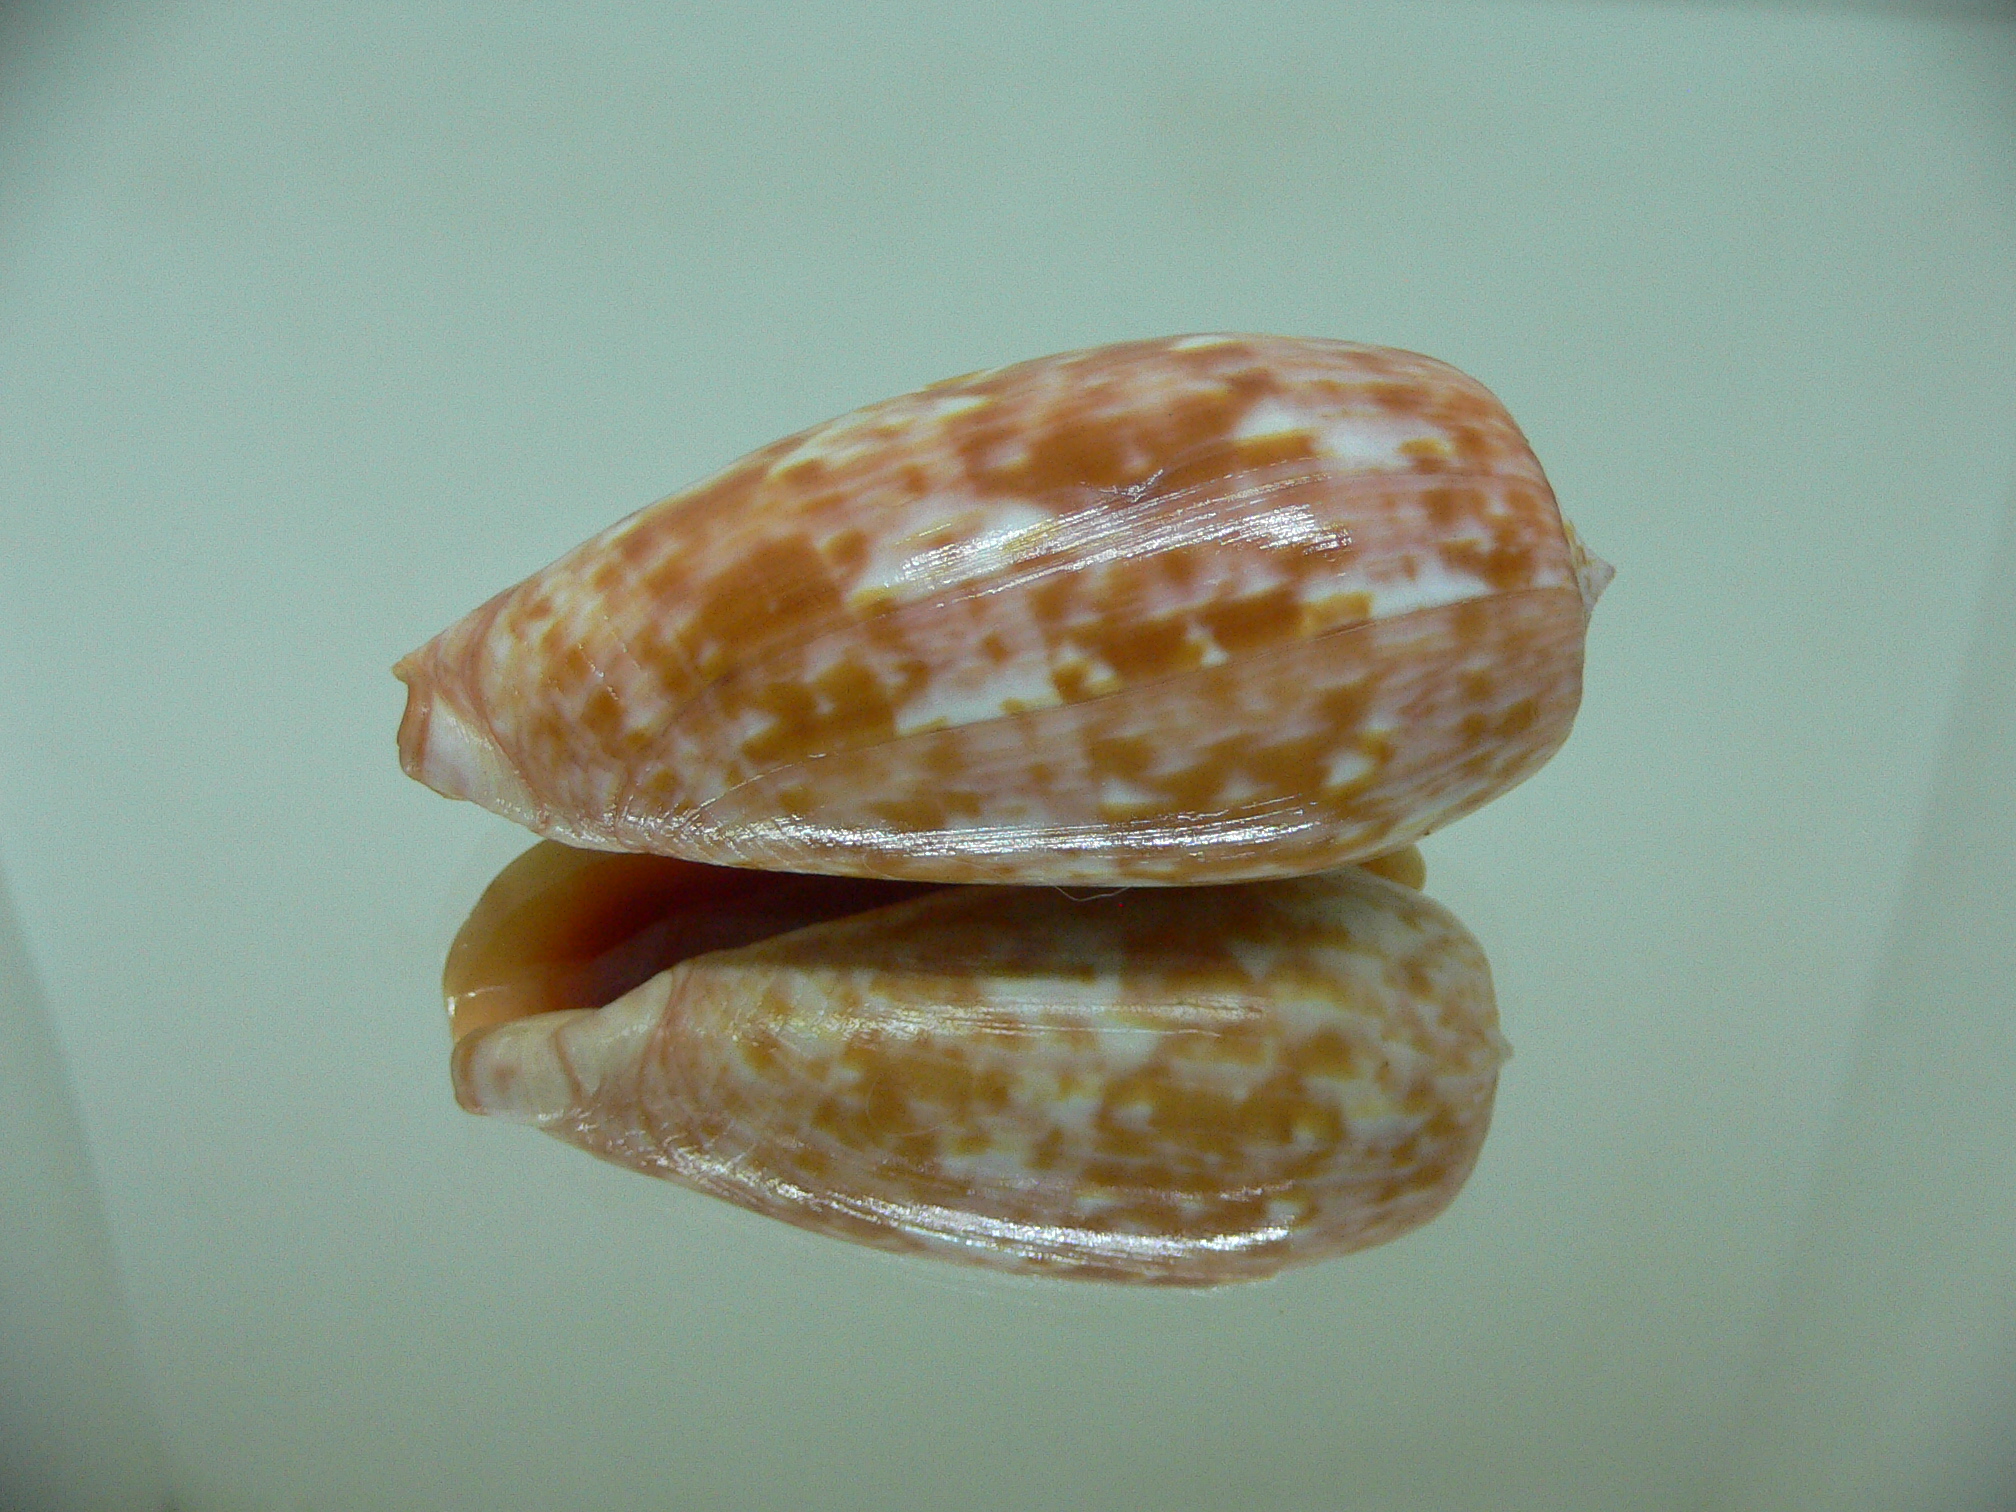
{"points": [[1177, 1086], [1183, 611]]}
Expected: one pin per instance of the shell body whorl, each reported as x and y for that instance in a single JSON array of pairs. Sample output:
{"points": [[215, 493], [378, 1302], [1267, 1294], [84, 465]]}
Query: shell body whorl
{"points": [[1185, 611], [1173, 1086]]}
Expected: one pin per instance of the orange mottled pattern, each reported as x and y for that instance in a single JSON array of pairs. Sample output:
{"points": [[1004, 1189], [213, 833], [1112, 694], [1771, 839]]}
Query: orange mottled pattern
{"points": [[1177, 1086], [1179, 611]]}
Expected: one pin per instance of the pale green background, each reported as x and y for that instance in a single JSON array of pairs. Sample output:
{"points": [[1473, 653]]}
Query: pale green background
{"points": [[320, 323]]}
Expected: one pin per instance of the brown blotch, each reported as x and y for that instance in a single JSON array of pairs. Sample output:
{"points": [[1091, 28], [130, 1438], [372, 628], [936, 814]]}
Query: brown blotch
{"points": [[1325, 1053], [732, 493], [842, 709], [911, 815], [603, 717], [1141, 648], [1447, 507], [1290, 766], [1047, 1151], [1518, 719], [1427, 455], [1398, 397], [1272, 450], [1082, 448], [847, 551], [1054, 599], [1193, 786], [800, 473], [1344, 709], [1074, 682], [1127, 756], [1503, 564], [1200, 420], [1338, 611], [777, 587], [1255, 621], [1471, 444]]}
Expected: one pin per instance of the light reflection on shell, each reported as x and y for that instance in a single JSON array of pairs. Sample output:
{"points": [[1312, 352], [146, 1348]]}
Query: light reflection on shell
{"points": [[1179, 1086]]}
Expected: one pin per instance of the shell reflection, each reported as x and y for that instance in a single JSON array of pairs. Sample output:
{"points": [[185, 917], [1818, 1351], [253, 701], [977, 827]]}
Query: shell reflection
{"points": [[1185, 1086]]}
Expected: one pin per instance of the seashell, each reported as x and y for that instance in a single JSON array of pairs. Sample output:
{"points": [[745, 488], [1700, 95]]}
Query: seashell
{"points": [[1184, 1086], [1197, 611], [1186, 611]]}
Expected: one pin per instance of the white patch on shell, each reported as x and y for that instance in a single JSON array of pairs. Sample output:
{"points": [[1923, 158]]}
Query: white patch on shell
{"points": [[1345, 767], [1365, 441], [1117, 792], [947, 539], [1270, 417], [1431, 586], [945, 406], [1092, 673], [1015, 688]]}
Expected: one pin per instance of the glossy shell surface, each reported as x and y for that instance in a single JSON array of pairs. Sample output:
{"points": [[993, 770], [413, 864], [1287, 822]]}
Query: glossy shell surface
{"points": [[1177, 1086], [1184, 611]]}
